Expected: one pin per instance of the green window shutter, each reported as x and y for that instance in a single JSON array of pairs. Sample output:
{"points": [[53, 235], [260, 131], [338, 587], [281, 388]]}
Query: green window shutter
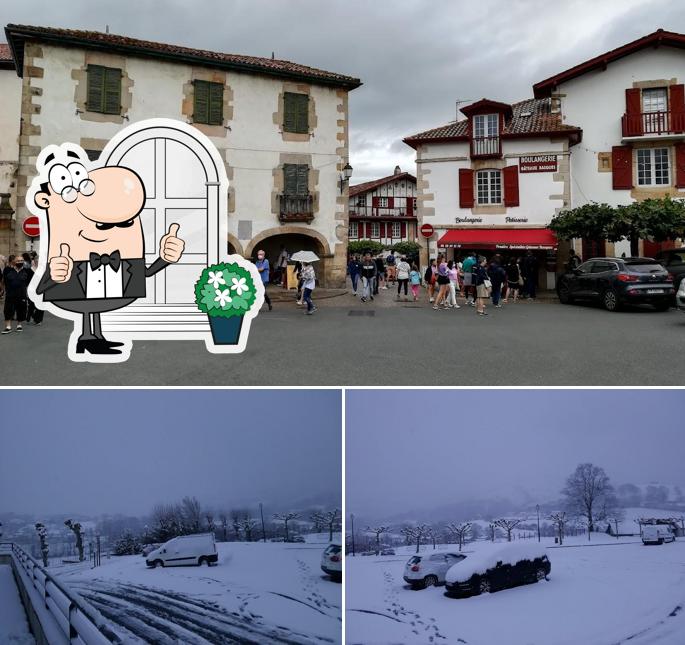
{"points": [[296, 112], [216, 104], [290, 179], [112, 91], [96, 88], [302, 179], [201, 101]]}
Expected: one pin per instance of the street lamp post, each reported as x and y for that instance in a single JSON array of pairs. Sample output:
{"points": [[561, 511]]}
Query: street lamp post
{"points": [[261, 512], [352, 523], [345, 176], [537, 508]]}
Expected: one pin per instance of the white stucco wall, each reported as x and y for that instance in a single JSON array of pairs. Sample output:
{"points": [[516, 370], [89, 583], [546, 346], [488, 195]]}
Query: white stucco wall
{"points": [[252, 146], [10, 113]]}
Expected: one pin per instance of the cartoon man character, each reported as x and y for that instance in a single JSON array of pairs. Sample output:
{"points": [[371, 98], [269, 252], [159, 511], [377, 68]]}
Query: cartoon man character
{"points": [[96, 253]]}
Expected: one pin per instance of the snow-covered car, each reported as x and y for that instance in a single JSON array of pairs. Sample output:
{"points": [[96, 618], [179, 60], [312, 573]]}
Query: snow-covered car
{"points": [[185, 550], [657, 534], [388, 552], [331, 561], [149, 548], [680, 297], [297, 538], [496, 568], [427, 570]]}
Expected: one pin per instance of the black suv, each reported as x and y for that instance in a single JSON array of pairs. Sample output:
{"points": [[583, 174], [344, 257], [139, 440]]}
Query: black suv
{"points": [[503, 570], [674, 262], [615, 282]]}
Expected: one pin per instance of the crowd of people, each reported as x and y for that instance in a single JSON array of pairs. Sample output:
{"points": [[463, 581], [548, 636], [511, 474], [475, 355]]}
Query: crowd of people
{"points": [[16, 272], [476, 279]]}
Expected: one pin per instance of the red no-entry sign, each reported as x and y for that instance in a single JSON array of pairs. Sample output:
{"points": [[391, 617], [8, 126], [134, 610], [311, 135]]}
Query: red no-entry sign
{"points": [[31, 227], [427, 230]]}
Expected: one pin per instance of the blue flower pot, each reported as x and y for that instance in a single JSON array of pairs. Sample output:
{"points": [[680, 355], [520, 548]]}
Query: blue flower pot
{"points": [[225, 331]]}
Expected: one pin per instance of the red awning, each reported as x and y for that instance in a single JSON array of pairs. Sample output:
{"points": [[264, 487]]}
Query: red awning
{"points": [[499, 238]]}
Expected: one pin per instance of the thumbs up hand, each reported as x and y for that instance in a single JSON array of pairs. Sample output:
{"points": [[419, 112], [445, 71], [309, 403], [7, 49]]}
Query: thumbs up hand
{"points": [[170, 246], [61, 265]]}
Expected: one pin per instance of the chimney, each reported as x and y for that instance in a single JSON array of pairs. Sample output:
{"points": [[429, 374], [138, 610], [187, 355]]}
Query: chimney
{"points": [[397, 171]]}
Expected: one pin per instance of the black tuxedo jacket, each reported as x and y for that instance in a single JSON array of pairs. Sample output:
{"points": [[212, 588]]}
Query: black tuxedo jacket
{"points": [[74, 288]]}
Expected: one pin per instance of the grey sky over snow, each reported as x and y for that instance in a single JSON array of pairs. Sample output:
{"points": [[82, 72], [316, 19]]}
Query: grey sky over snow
{"points": [[407, 450], [118, 451], [415, 57]]}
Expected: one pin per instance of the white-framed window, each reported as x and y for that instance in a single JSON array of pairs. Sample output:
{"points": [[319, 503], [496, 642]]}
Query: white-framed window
{"points": [[489, 186], [485, 125], [653, 167], [396, 229], [375, 229], [353, 230], [382, 202], [655, 99], [361, 201]]}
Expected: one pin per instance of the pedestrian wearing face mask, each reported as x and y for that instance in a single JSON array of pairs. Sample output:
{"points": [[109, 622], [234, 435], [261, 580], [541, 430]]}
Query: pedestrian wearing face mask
{"points": [[16, 278], [262, 265]]}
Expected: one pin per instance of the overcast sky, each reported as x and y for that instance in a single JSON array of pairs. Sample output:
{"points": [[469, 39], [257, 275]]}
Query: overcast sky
{"points": [[118, 451], [415, 57], [422, 449]]}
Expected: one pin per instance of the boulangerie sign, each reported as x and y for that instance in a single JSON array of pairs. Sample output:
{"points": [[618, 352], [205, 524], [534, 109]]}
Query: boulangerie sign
{"points": [[538, 163]]}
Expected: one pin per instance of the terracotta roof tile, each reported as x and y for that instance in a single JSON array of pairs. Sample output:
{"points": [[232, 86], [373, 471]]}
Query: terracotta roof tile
{"points": [[532, 116], [5, 52], [113, 42], [372, 185]]}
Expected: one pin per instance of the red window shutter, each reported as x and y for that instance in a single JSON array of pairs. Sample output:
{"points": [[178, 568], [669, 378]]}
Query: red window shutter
{"points": [[622, 167], [677, 107], [384, 229], [633, 112], [374, 202], [403, 229], [465, 188], [391, 202], [680, 165], [410, 206], [510, 179]]}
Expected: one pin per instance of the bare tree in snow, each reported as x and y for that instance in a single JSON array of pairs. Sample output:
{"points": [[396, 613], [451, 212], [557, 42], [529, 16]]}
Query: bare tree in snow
{"points": [[75, 527], [461, 531], [589, 494], [476, 533], [192, 514], [247, 524], [507, 525], [44, 546], [285, 518], [416, 534], [492, 527], [223, 521], [209, 516], [331, 521], [559, 522], [378, 531]]}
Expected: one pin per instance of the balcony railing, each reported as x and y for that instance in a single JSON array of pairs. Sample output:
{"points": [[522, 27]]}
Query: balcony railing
{"points": [[653, 123], [377, 211], [296, 208], [485, 147]]}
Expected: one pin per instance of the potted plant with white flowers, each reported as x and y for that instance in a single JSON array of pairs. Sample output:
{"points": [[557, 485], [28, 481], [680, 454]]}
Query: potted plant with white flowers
{"points": [[227, 292]]}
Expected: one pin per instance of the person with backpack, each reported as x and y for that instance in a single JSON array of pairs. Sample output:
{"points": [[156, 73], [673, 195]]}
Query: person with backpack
{"points": [[483, 286], [497, 277], [16, 278], [354, 268], [380, 282], [415, 279], [467, 268], [513, 280], [391, 268], [403, 270], [453, 273], [429, 278], [368, 274], [530, 275]]}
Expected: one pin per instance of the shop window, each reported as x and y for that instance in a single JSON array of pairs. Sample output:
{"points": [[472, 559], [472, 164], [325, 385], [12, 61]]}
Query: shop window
{"points": [[104, 89], [653, 167], [208, 102], [489, 185]]}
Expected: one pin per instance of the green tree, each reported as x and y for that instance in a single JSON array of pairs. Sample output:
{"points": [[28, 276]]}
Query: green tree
{"points": [[410, 249], [362, 246]]}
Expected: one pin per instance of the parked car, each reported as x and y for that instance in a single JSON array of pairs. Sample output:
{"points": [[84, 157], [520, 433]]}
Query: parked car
{"points": [[297, 538], [680, 297], [673, 261], [149, 548], [497, 568], [185, 550], [388, 552], [429, 569], [657, 534], [331, 561], [615, 282]]}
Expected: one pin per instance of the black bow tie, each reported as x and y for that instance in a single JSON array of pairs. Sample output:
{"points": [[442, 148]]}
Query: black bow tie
{"points": [[111, 259]]}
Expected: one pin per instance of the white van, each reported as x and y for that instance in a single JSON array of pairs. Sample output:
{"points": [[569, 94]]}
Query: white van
{"points": [[331, 561], [657, 534], [185, 550]]}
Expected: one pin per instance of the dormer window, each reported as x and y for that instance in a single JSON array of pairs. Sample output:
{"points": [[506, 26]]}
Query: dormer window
{"points": [[485, 125]]}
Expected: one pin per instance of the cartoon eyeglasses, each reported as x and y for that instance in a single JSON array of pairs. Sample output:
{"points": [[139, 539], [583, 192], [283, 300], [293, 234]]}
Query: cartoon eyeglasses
{"points": [[70, 180]]}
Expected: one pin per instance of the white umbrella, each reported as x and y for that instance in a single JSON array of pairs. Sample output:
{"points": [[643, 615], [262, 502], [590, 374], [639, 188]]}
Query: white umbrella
{"points": [[304, 256]]}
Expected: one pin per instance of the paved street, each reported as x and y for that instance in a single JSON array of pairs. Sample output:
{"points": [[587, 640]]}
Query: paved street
{"points": [[541, 343]]}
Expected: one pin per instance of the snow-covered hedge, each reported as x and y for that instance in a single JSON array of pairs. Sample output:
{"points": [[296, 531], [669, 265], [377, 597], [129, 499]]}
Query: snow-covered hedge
{"points": [[486, 558]]}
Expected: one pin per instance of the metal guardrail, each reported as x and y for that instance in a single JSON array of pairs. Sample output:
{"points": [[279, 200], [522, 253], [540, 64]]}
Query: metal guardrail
{"points": [[78, 622]]}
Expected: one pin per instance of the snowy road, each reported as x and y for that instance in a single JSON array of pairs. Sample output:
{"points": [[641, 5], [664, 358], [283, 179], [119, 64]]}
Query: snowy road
{"points": [[258, 593], [618, 593]]}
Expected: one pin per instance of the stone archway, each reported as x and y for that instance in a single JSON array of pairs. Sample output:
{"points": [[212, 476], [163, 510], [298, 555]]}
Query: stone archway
{"points": [[233, 245]]}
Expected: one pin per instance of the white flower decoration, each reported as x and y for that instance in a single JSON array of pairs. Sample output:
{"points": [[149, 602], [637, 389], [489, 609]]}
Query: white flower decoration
{"points": [[216, 279], [239, 285], [222, 297]]}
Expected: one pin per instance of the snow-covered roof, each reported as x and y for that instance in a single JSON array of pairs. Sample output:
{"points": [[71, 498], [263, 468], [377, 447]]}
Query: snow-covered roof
{"points": [[485, 559]]}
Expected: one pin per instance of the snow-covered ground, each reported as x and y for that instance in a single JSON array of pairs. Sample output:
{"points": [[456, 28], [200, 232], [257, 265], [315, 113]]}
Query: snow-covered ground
{"points": [[613, 592], [258, 593], [14, 628]]}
